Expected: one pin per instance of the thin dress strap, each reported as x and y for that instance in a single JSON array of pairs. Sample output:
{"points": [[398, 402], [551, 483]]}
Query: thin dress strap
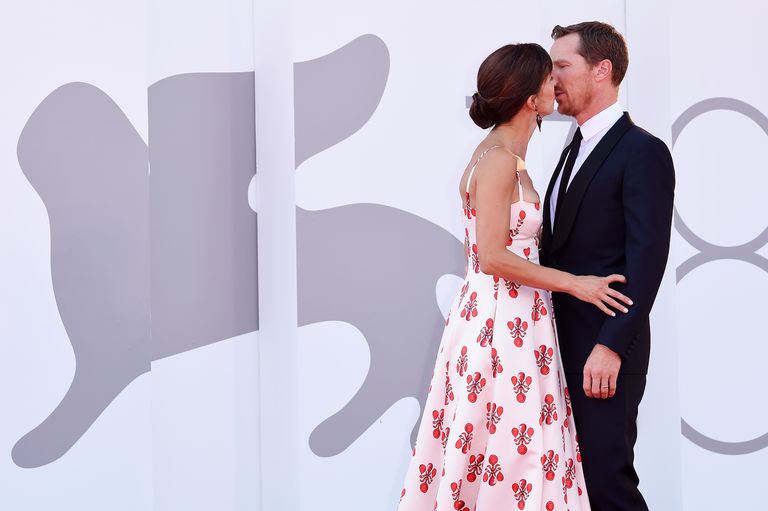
{"points": [[472, 171], [521, 166]]}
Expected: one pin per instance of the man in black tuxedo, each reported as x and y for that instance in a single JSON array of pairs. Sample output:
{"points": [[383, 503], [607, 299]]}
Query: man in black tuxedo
{"points": [[608, 209]]}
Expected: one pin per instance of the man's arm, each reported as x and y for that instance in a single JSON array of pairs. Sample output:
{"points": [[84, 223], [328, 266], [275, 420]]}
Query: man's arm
{"points": [[647, 194]]}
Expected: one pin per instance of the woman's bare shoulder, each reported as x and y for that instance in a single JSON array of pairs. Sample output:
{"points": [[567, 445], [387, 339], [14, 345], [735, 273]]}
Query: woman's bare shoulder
{"points": [[498, 166], [494, 166]]}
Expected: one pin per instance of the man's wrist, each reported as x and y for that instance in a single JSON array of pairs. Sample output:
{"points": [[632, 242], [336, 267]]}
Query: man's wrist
{"points": [[608, 348]]}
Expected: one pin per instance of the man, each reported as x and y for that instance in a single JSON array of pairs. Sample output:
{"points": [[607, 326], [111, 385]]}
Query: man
{"points": [[608, 209]]}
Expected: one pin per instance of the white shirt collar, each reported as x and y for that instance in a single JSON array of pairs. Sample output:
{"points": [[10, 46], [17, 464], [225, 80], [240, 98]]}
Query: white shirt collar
{"points": [[601, 121]]}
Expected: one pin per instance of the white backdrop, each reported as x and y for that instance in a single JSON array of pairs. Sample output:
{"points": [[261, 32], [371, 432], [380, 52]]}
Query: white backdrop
{"points": [[293, 414]]}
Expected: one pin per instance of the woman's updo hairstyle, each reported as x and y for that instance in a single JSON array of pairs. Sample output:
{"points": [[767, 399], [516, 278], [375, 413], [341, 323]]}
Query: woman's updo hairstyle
{"points": [[505, 81]]}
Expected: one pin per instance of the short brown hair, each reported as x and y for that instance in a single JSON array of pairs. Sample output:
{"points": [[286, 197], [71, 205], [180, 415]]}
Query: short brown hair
{"points": [[505, 81], [599, 41]]}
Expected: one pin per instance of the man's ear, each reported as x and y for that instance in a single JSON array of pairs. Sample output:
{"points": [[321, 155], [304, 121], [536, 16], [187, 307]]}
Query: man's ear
{"points": [[603, 70]]}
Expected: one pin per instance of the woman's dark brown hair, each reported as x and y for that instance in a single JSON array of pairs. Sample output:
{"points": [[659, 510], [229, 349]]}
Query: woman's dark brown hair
{"points": [[505, 81], [599, 41]]}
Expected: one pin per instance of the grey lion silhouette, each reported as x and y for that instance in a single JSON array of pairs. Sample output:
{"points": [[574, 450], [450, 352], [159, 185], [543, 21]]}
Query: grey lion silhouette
{"points": [[372, 266], [147, 264], [375, 267], [89, 166], [177, 245]]}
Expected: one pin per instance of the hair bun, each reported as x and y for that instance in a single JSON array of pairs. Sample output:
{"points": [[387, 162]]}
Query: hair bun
{"points": [[481, 112]]}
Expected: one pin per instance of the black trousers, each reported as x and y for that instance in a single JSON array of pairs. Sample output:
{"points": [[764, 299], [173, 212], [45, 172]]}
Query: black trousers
{"points": [[607, 431]]}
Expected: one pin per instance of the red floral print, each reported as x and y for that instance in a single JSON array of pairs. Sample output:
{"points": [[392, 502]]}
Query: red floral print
{"points": [[493, 416], [538, 307], [470, 309], [463, 360], [512, 288], [464, 443], [438, 418], [548, 410], [493, 472], [544, 358], [522, 435], [496, 366], [521, 385], [522, 491], [549, 463], [475, 384], [485, 337], [427, 474], [475, 467], [475, 259], [517, 329]]}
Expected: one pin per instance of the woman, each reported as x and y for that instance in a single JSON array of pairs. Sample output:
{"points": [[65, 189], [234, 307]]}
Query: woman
{"points": [[497, 432]]}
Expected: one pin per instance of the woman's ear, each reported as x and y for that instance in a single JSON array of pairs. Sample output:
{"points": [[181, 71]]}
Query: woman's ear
{"points": [[531, 102]]}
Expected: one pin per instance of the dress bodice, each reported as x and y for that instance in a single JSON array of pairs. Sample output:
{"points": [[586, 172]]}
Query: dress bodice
{"points": [[526, 219]]}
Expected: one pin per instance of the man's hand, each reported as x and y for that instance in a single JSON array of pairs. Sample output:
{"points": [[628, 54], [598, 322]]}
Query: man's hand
{"points": [[601, 372]]}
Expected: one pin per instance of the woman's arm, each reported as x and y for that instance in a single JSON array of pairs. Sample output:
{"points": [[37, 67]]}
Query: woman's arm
{"points": [[494, 185]]}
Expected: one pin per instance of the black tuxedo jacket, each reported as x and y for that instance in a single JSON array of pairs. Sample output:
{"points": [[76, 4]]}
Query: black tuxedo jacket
{"points": [[616, 218]]}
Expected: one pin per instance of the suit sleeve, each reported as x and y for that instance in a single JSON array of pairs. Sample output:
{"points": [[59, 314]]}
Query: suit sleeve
{"points": [[647, 196]]}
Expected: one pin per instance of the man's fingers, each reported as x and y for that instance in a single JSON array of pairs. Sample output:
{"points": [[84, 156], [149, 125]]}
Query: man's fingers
{"points": [[595, 386], [612, 383], [604, 387], [587, 386]]}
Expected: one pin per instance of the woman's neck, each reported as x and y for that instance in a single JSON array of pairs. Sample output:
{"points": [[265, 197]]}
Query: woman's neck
{"points": [[513, 135]]}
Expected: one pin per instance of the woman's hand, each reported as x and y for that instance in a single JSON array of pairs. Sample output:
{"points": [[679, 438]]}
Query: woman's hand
{"points": [[597, 291]]}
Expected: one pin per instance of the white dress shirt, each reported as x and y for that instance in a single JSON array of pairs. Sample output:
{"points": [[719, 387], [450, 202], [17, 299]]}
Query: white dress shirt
{"points": [[592, 131]]}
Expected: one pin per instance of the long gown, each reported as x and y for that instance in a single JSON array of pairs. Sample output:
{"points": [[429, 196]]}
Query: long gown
{"points": [[497, 430]]}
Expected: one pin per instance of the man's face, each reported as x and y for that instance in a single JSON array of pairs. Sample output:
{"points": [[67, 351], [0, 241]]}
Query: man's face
{"points": [[572, 74]]}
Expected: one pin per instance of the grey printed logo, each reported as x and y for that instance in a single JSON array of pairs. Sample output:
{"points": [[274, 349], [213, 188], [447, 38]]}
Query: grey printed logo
{"points": [[89, 166], [375, 267], [709, 252], [202, 157], [372, 266], [189, 265], [335, 95], [148, 264]]}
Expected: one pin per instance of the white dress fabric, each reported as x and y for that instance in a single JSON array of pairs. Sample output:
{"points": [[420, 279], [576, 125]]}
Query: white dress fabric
{"points": [[497, 431]]}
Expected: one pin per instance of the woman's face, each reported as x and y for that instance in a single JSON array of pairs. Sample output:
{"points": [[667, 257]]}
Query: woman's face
{"points": [[546, 96]]}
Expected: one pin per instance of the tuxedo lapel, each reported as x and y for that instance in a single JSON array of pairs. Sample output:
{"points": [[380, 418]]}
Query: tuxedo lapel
{"points": [[547, 232], [580, 183]]}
